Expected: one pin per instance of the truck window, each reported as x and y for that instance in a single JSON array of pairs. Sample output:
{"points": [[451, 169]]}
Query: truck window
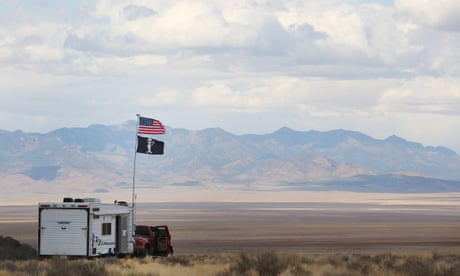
{"points": [[142, 231], [107, 228], [162, 232]]}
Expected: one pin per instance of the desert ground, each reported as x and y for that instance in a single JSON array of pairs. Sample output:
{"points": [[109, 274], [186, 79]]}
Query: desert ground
{"points": [[385, 224]]}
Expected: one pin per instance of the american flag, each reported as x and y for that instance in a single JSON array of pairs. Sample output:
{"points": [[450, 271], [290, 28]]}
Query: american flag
{"points": [[150, 126]]}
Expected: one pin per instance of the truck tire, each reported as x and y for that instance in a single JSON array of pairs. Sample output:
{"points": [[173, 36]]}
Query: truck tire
{"points": [[139, 252], [148, 250]]}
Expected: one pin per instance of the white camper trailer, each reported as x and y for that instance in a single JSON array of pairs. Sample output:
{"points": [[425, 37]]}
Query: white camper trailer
{"points": [[84, 227]]}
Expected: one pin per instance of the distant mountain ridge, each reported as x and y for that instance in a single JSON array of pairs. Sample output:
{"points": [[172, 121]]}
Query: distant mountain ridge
{"points": [[102, 157]]}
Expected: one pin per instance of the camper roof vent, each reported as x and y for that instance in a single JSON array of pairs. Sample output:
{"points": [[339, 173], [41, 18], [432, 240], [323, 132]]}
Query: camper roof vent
{"points": [[122, 203], [67, 199], [92, 200]]}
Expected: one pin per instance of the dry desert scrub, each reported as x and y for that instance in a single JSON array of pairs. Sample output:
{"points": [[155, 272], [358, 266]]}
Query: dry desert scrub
{"points": [[265, 264]]}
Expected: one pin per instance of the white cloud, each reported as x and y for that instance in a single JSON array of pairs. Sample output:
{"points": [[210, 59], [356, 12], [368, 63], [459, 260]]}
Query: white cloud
{"points": [[343, 26], [6, 54], [43, 54], [29, 44], [144, 60], [318, 97], [161, 98], [223, 97], [134, 12], [169, 25], [443, 14], [423, 95]]}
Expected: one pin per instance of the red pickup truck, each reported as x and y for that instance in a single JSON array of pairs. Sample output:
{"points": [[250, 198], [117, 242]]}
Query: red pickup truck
{"points": [[153, 240]]}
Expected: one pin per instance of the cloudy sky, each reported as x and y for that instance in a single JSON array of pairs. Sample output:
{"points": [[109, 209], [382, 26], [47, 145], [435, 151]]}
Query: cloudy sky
{"points": [[381, 67]]}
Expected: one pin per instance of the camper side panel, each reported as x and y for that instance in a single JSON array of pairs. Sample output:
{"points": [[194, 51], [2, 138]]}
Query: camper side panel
{"points": [[103, 240], [63, 232]]}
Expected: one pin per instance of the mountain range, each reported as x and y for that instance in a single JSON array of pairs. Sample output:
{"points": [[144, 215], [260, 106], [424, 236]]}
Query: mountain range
{"points": [[100, 159]]}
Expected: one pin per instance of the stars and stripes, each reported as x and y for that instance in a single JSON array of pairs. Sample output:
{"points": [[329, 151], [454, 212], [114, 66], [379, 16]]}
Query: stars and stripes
{"points": [[150, 126]]}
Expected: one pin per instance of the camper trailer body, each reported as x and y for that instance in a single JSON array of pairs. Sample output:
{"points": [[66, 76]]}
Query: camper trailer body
{"points": [[84, 228]]}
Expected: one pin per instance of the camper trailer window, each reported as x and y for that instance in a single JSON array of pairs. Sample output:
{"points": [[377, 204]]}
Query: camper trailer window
{"points": [[106, 229]]}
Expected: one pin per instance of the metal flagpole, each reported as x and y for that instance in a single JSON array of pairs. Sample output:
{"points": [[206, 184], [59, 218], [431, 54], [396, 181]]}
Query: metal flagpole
{"points": [[133, 202]]}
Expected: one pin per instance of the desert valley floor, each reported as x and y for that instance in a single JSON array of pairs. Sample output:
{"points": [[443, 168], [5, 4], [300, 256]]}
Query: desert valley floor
{"points": [[424, 225]]}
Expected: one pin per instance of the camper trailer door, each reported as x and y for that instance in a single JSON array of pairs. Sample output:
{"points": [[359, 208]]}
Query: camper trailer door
{"points": [[63, 232]]}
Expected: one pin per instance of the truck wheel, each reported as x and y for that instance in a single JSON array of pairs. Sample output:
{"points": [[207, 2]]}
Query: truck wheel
{"points": [[147, 250], [139, 252]]}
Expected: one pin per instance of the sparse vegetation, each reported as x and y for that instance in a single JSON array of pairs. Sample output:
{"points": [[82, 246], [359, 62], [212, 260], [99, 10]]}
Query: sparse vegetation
{"points": [[11, 249], [264, 264]]}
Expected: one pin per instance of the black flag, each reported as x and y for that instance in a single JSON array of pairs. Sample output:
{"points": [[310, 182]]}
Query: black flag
{"points": [[149, 145]]}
